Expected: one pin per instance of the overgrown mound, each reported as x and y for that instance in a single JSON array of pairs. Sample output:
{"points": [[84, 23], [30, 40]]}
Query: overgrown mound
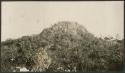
{"points": [[69, 47]]}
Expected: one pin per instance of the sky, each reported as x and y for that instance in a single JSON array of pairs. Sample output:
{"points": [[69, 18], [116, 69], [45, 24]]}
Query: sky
{"points": [[101, 18]]}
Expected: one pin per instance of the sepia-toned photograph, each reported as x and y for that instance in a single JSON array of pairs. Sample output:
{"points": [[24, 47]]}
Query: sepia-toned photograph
{"points": [[62, 36]]}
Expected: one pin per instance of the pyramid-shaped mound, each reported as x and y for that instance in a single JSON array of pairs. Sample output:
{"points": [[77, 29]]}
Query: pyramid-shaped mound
{"points": [[65, 29], [63, 47]]}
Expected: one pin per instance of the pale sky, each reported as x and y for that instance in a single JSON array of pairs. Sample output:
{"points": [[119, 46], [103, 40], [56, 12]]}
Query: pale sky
{"points": [[103, 18]]}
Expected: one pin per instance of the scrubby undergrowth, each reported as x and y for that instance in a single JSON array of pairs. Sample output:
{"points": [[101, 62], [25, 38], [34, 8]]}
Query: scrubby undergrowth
{"points": [[66, 46]]}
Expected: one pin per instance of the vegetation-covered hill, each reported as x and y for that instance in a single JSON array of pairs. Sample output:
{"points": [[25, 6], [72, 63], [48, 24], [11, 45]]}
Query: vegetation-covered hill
{"points": [[66, 46]]}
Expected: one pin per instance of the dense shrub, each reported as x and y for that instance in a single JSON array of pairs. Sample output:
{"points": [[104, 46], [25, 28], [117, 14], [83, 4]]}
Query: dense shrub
{"points": [[65, 47]]}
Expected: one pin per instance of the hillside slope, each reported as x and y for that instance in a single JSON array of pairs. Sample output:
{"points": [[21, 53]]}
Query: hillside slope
{"points": [[65, 46]]}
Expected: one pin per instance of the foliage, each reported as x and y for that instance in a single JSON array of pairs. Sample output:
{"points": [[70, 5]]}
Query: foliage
{"points": [[65, 47]]}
